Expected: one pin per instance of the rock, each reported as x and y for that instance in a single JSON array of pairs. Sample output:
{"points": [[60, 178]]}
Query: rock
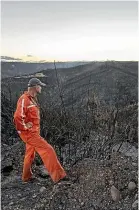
{"points": [[82, 203], [134, 164], [111, 182], [11, 157], [11, 203], [115, 193], [42, 189], [7, 167], [131, 186], [135, 205], [34, 196], [127, 149], [6, 163], [136, 196]]}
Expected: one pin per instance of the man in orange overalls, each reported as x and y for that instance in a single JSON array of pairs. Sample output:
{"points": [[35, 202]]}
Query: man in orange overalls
{"points": [[27, 123]]}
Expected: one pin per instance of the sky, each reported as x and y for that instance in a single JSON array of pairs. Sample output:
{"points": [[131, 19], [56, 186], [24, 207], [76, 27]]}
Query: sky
{"points": [[69, 31]]}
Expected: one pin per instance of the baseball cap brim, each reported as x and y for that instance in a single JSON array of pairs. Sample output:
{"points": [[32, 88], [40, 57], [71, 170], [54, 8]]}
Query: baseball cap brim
{"points": [[42, 84]]}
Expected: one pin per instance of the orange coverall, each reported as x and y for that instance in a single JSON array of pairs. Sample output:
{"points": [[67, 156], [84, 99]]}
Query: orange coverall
{"points": [[28, 111]]}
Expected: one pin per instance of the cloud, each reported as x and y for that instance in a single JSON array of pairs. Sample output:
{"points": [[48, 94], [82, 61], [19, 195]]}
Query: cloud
{"points": [[29, 55], [10, 58]]}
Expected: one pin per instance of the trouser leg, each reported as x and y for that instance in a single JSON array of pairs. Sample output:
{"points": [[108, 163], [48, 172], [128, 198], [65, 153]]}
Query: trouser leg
{"points": [[28, 159], [48, 155]]}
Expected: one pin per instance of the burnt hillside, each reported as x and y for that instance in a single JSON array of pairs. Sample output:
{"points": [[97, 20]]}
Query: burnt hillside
{"points": [[89, 115]]}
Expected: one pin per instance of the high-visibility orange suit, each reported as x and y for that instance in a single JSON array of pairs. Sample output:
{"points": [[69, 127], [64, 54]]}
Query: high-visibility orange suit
{"points": [[28, 111]]}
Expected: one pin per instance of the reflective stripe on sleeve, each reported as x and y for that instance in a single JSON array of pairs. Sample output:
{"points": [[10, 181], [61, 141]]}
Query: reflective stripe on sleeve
{"points": [[22, 113]]}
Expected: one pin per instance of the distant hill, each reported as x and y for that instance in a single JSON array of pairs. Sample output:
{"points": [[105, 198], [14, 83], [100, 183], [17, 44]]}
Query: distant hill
{"points": [[10, 69], [113, 82]]}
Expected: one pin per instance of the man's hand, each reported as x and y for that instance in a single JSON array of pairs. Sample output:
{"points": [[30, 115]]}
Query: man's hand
{"points": [[29, 124]]}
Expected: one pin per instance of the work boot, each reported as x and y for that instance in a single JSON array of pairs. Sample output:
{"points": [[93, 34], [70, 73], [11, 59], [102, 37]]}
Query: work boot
{"points": [[31, 180]]}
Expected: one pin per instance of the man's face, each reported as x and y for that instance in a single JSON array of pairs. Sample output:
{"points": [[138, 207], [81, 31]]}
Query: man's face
{"points": [[38, 88]]}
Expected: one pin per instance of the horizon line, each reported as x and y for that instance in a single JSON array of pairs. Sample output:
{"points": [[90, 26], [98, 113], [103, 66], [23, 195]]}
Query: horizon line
{"points": [[60, 61]]}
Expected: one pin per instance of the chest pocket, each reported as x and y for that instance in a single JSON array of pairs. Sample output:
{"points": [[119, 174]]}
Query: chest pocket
{"points": [[33, 112]]}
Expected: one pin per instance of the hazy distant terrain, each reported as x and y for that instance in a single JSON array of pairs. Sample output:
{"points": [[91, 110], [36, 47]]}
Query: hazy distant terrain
{"points": [[9, 69], [107, 80]]}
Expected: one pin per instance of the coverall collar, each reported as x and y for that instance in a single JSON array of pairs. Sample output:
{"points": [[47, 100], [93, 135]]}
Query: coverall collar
{"points": [[33, 99]]}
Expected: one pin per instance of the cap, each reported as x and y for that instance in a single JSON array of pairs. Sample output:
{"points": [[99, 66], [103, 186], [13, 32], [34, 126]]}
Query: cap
{"points": [[34, 81]]}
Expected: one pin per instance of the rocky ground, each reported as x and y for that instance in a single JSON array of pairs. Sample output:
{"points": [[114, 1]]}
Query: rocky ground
{"points": [[96, 184]]}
